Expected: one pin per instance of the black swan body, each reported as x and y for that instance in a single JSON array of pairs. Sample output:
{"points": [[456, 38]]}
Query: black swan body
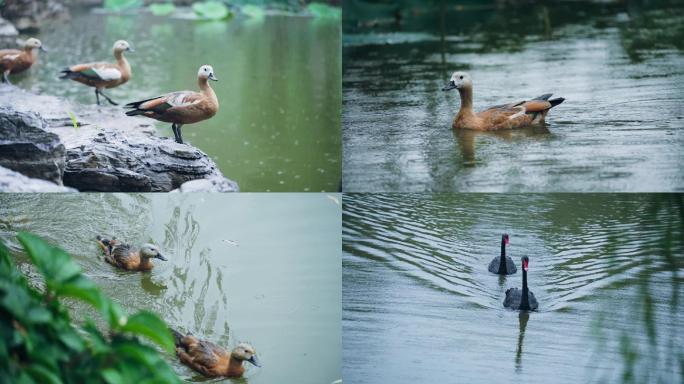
{"points": [[503, 265], [522, 299]]}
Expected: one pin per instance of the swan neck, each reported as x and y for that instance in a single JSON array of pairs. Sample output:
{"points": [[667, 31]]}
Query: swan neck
{"points": [[525, 302], [502, 262]]}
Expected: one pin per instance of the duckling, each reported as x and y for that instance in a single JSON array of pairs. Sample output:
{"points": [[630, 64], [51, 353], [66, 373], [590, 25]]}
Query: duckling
{"points": [[506, 116], [15, 60], [212, 360], [103, 75], [126, 257], [183, 107]]}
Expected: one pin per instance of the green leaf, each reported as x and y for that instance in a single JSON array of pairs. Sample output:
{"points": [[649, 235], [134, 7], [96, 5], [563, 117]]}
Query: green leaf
{"points": [[253, 11], [112, 377], [39, 315], [324, 10], [72, 340], [55, 264], [42, 375], [147, 324], [213, 10], [121, 5], [163, 9], [74, 122]]}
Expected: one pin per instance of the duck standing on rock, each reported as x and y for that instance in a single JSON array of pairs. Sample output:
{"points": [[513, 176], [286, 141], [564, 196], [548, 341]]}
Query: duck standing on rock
{"points": [[18, 60], [519, 114], [212, 360], [126, 257], [103, 75], [182, 107]]}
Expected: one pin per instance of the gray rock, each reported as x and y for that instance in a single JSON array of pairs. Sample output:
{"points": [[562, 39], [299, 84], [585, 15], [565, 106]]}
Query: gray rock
{"points": [[111, 152], [7, 30], [27, 15], [212, 184], [26, 147], [11, 181]]}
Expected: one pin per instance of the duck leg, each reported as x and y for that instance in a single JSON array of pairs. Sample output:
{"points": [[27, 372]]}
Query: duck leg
{"points": [[175, 131], [179, 138], [107, 98], [97, 96], [5, 79]]}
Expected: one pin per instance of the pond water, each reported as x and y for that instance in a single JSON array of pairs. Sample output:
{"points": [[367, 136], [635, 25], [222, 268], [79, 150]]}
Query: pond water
{"points": [[278, 127], [258, 268], [419, 304], [620, 67]]}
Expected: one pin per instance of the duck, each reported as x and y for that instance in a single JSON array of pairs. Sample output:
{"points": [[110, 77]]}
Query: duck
{"points": [[18, 60], [101, 75], [182, 107], [211, 360], [503, 265], [514, 115], [521, 299], [124, 256]]}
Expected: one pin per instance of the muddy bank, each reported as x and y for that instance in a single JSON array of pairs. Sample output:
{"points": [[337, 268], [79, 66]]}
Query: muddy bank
{"points": [[97, 148]]}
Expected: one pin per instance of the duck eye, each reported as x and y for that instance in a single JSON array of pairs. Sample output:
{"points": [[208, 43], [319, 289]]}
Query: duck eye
{"points": [[461, 77]]}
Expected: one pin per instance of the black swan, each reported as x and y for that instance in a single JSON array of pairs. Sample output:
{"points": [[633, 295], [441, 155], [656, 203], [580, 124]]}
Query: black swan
{"points": [[524, 299], [503, 265]]}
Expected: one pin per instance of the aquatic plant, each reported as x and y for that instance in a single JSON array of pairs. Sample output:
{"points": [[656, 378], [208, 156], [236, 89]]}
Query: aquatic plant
{"points": [[214, 10], [39, 341], [324, 10], [162, 9], [121, 5], [74, 122]]}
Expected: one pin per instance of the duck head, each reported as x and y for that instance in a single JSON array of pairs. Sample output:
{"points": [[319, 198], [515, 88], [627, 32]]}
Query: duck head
{"points": [[245, 352], [151, 251], [459, 80], [206, 72], [122, 46], [33, 43]]}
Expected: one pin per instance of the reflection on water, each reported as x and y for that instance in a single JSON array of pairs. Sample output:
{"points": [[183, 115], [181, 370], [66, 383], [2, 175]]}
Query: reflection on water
{"points": [[618, 65], [417, 294], [278, 127], [258, 268]]}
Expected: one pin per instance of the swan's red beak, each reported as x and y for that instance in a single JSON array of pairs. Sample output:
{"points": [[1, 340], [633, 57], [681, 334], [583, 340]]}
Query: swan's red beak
{"points": [[525, 265], [506, 240]]}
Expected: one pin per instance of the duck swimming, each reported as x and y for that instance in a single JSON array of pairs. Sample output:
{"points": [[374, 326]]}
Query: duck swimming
{"points": [[503, 265], [14, 60], [103, 75], [505, 116], [524, 299], [126, 257], [212, 360], [183, 107]]}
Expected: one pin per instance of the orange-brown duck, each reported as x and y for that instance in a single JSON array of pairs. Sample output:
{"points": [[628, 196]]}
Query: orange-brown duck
{"points": [[506, 116], [211, 360], [18, 60], [182, 107], [102, 75], [127, 257]]}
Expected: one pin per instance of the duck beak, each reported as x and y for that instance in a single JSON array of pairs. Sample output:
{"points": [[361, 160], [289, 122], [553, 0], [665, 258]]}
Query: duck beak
{"points": [[254, 361], [42, 49], [212, 77], [160, 257], [129, 49], [452, 85]]}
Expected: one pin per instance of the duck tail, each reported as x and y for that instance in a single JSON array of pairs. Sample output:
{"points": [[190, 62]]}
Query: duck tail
{"points": [[67, 73], [556, 101], [177, 337], [543, 97], [135, 112]]}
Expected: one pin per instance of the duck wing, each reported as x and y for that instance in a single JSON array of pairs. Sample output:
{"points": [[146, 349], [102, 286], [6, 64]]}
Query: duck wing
{"points": [[164, 102], [9, 55], [93, 71], [120, 253]]}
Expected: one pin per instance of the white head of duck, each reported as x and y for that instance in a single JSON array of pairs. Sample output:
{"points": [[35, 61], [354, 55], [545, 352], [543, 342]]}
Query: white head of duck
{"points": [[459, 80], [245, 352], [151, 251], [33, 43], [121, 46], [206, 72]]}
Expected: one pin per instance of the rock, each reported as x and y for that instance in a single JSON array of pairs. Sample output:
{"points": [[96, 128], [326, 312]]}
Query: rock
{"points": [[7, 30], [27, 15], [111, 152], [26, 147], [213, 184], [11, 181]]}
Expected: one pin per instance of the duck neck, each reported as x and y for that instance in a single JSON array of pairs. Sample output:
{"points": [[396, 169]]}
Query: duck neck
{"points": [[466, 100], [31, 53], [525, 302], [502, 262], [206, 89], [235, 368], [123, 64]]}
